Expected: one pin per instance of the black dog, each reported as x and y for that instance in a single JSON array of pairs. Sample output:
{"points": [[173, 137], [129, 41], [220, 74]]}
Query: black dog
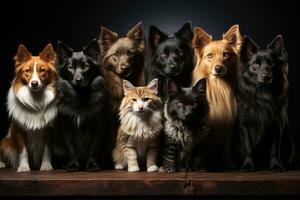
{"points": [[262, 104], [81, 100], [170, 58]]}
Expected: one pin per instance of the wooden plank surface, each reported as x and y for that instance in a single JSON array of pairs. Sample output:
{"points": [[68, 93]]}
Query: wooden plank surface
{"points": [[104, 183]]}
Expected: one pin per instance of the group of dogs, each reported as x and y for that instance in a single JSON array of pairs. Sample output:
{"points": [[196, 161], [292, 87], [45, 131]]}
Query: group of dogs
{"points": [[211, 104]]}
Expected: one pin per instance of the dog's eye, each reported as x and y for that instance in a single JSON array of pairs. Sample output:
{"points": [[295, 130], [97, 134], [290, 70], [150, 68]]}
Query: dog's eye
{"points": [[42, 69], [179, 52], [163, 55], [226, 54], [255, 66], [70, 68], [27, 71], [86, 67], [133, 99], [179, 104], [131, 53], [209, 55]]}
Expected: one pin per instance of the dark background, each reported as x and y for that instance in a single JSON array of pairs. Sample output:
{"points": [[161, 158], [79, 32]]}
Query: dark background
{"points": [[37, 23]]}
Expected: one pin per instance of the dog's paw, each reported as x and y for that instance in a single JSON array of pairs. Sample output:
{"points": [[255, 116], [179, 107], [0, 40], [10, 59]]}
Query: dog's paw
{"points": [[119, 166], [248, 165], [73, 166], [46, 167], [276, 167], [152, 168], [23, 168], [92, 166], [2, 164], [133, 169]]}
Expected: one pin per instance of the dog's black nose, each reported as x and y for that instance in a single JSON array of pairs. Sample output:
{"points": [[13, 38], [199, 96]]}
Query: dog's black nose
{"points": [[218, 68], [34, 84], [266, 76]]}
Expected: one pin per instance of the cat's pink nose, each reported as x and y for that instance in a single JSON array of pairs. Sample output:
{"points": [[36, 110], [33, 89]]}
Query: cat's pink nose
{"points": [[141, 107]]}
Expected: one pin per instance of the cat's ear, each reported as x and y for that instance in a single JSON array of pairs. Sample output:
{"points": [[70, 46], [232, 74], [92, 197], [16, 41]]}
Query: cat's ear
{"points": [[200, 86], [127, 86], [153, 86], [172, 88]]}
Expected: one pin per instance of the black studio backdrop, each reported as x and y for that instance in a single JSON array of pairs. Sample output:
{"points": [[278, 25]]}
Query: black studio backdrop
{"points": [[35, 24]]}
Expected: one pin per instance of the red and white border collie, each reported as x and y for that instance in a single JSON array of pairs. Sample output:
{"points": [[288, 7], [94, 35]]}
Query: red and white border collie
{"points": [[32, 109]]}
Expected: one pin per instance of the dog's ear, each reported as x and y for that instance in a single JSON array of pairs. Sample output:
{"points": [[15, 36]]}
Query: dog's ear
{"points": [[200, 86], [201, 38], [156, 37], [234, 37], [248, 48], [153, 86], [22, 55], [92, 50], [173, 88], [106, 39], [63, 51], [127, 86], [138, 36], [48, 54], [185, 32], [277, 46]]}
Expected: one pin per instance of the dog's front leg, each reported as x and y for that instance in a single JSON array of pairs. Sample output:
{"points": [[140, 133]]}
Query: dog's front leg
{"points": [[275, 164], [248, 162], [46, 161], [91, 164], [73, 164], [23, 161]]}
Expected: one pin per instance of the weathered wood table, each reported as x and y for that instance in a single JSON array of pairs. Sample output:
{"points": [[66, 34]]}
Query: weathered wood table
{"points": [[122, 183]]}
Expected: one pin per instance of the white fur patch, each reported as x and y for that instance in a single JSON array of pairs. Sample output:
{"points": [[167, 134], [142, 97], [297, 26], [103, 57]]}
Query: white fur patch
{"points": [[23, 161], [2, 164], [152, 168], [32, 110], [46, 162]]}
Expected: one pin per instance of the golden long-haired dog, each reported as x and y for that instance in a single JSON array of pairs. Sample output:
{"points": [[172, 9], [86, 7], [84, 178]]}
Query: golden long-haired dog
{"points": [[217, 61]]}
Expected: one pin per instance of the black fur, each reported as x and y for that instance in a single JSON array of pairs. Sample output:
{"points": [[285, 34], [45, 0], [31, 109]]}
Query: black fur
{"points": [[262, 103], [186, 128], [170, 57], [81, 100]]}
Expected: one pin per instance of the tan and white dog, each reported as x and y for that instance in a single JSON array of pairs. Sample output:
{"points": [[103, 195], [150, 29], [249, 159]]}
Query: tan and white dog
{"points": [[32, 110]]}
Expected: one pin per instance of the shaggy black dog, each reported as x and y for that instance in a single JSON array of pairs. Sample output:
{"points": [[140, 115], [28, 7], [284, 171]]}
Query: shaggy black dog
{"points": [[170, 57], [81, 100], [262, 105]]}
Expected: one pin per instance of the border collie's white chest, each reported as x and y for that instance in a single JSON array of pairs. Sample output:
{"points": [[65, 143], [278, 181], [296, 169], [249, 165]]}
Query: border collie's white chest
{"points": [[32, 111]]}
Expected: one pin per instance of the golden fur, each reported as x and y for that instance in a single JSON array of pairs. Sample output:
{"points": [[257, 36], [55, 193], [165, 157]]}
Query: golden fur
{"points": [[220, 88]]}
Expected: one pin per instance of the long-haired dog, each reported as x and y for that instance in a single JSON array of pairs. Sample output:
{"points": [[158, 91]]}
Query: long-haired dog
{"points": [[32, 110], [262, 104], [217, 61], [81, 101], [170, 57]]}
